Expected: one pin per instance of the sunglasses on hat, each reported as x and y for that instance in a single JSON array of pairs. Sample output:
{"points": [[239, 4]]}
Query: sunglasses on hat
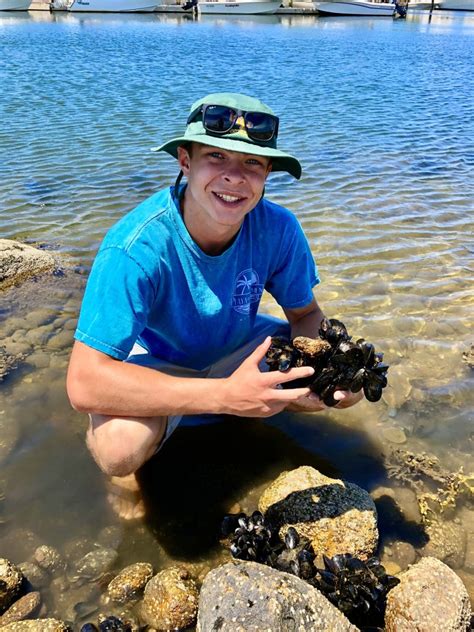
{"points": [[221, 119]]}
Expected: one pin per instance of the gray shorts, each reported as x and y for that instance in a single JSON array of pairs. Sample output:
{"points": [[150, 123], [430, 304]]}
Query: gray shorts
{"points": [[264, 326]]}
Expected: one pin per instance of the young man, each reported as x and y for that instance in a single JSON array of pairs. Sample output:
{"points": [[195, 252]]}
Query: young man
{"points": [[169, 324]]}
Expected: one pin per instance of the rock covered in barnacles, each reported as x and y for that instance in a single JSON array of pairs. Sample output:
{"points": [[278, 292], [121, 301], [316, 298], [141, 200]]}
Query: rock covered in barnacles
{"points": [[253, 597], [359, 589], [336, 516], [11, 581], [313, 347], [170, 600], [130, 582], [50, 559], [338, 362], [429, 598], [23, 608], [37, 625]]}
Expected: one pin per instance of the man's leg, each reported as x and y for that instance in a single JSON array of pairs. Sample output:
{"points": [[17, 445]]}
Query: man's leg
{"points": [[120, 446]]}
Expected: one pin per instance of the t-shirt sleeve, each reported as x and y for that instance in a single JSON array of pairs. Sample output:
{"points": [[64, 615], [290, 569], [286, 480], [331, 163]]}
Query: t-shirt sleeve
{"points": [[295, 273], [118, 297]]}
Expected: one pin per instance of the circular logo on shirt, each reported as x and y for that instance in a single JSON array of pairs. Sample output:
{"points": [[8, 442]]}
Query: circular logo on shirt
{"points": [[247, 291]]}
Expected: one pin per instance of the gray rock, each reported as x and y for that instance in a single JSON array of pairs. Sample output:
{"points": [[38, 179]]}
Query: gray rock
{"points": [[35, 575], [250, 597], [24, 608], [19, 261], [130, 582], [429, 598], [170, 601], [37, 625], [96, 563], [447, 542], [338, 517], [11, 579]]}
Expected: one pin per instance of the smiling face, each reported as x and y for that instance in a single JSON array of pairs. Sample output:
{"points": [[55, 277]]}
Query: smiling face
{"points": [[223, 186]]}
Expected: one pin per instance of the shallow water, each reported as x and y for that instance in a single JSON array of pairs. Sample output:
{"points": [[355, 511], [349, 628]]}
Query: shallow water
{"points": [[381, 114]]}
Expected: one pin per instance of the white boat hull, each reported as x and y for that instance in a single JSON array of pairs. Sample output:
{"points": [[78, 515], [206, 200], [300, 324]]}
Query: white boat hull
{"points": [[113, 6], [236, 7], [457, 5], [356, 7], [15, 5]]}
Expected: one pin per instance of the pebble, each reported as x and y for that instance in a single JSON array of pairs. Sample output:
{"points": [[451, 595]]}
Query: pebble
{"points": [[394, 435]]}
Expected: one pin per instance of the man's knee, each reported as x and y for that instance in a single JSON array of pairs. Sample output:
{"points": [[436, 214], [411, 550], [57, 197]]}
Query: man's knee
{"points": [[121, 446]]}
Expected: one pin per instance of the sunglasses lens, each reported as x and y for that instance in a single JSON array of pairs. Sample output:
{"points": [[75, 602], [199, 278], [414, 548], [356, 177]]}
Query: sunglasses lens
{"points": [[218, 118], [260, 126]]}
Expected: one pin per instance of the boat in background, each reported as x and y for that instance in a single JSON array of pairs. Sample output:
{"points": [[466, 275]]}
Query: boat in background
{"points": [[356, 7], [234, 7], [113, 6], [15, 5], [457, 5]]}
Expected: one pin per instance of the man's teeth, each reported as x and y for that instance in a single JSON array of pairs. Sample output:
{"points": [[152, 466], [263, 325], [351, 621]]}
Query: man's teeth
{"points": [[228, 198]]}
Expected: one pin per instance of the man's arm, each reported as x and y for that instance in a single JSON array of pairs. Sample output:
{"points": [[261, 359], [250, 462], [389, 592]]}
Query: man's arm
{"points": [[97, 383]]}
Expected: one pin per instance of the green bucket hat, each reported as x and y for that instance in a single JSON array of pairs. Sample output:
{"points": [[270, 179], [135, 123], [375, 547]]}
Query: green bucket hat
{"points": [[237, 139]]}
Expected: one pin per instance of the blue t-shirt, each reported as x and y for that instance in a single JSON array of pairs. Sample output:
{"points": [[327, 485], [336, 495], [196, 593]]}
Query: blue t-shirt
{"points": [[152, 284]]}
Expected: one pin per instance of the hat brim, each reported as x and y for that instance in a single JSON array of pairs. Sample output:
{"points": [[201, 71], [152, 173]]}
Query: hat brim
{"points": [[280, 160]]}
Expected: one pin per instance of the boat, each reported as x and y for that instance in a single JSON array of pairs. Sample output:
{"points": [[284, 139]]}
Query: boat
{"points": [[113, 6], [15, 5], [356, 7], [237, 7], [457, 5]]}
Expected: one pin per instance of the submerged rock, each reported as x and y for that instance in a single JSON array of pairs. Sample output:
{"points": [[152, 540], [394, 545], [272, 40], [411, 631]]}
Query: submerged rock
{"points": [[96, 563], [130, 582], [19, 261], [50, 559], [170, 601], [336, 516], [252, 597], [429, 598], [11, 580], [24, 608], [9, 361], [447, 542]]}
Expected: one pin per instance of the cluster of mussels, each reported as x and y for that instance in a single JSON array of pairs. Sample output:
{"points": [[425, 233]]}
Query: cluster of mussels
{"points": [[108, 624], [338, 362], [254, 539], [356, 587]]}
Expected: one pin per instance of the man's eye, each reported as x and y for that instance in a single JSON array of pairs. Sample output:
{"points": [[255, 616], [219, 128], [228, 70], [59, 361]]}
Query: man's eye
{"points": [[252, 161], [215, 154]]}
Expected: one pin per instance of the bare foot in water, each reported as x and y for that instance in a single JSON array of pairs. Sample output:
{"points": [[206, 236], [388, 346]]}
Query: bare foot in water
{"points": [[125, 497]]}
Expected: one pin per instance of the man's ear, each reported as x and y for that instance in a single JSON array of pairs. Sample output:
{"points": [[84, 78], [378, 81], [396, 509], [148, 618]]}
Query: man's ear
{"points": [[184, 160]]}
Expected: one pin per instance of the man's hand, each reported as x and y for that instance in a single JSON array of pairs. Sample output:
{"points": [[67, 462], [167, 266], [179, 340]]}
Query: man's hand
{"points": [[249, 392], [312, 403]]}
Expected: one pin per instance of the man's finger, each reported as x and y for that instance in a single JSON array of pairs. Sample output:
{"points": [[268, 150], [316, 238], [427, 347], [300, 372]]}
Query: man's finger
{"points": [[289, 394], [260, 352], [279, 377]]}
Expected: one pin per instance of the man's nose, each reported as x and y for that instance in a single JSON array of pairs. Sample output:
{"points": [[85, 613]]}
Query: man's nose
{"points": [[234, 173]]}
